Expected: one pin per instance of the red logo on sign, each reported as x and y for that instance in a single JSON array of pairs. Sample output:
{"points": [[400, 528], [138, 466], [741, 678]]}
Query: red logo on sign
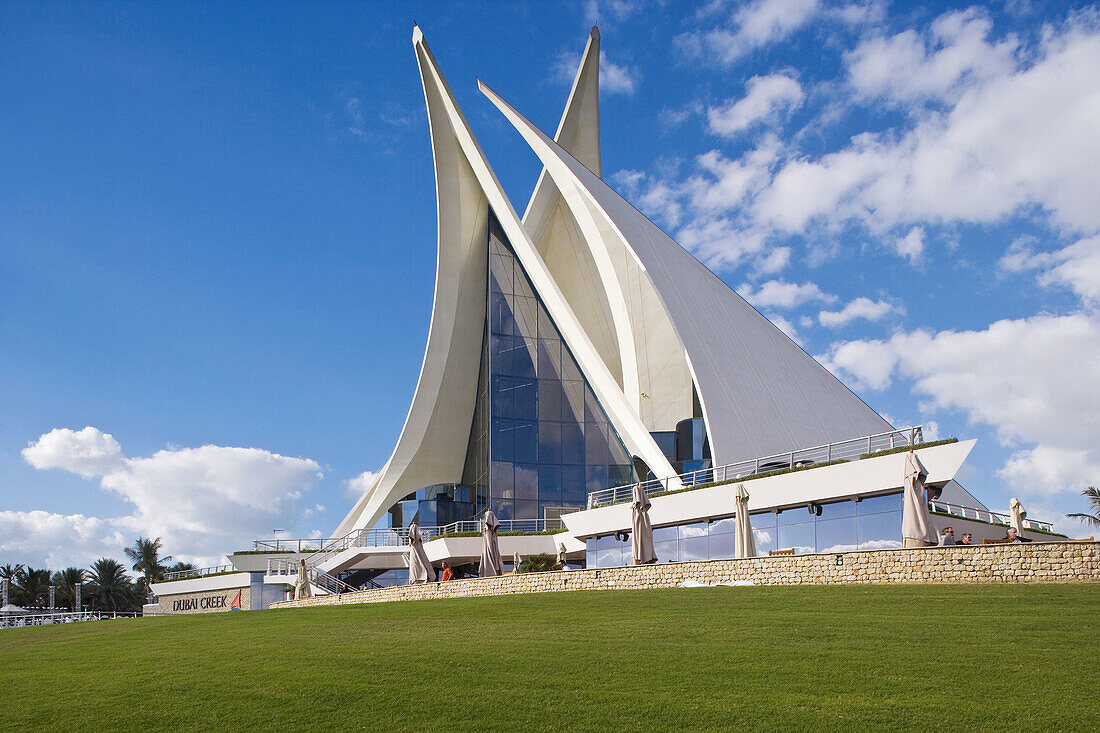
{"points": [[236, 605]]}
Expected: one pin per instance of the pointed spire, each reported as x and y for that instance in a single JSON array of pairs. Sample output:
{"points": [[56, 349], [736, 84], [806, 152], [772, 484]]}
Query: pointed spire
{"points": [[579, 130]]}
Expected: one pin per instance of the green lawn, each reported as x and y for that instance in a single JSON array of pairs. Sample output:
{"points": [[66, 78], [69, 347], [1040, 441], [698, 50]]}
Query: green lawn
{"points": [[781, 658]]}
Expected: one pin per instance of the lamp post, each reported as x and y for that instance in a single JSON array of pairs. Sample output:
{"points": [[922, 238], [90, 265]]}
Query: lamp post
{"points": [[76, 596], [53, 592]]}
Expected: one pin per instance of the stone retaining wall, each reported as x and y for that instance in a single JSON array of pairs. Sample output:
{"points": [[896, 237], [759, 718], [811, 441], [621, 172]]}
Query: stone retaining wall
{"points": [[1038, 562]]}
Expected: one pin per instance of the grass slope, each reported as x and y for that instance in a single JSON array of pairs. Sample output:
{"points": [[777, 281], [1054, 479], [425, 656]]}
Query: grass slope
{"points": [[781, 658]]}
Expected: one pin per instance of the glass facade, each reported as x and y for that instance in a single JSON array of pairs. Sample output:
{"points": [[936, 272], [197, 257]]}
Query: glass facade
{"points": [[873, 523], [539, 437]]}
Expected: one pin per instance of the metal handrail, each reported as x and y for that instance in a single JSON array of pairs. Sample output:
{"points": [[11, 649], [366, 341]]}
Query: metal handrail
{"points": [[984, 515], [61, 617], [299, 544], [844, 450], [196, 573], [399, 537]]}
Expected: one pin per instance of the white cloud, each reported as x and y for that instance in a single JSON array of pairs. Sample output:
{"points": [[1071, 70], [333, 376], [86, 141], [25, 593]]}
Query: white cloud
{"points": [[614, 78], [45, 539], [200, 501], [88, 452], [1032, 379], [911, 246], [783, 294], [754, 25], [865, 308], [785, 326], [1076, 266], [766, 97], [910, 66], [354, 488], [1021, 139]]}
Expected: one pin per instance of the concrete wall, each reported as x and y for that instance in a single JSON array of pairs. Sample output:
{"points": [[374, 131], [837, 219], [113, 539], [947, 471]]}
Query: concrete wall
{"points": [[1047, 562], [211, 601]]}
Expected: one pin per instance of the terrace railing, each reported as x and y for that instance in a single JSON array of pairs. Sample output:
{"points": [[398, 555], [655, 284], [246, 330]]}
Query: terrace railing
{"points": [[61, 617], [395, 538], [844, 450], [197, 572], [300, 544], [984, 515]]}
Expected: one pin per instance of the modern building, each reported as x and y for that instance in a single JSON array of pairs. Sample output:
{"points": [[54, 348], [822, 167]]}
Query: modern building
{"points": [[576, 349]]}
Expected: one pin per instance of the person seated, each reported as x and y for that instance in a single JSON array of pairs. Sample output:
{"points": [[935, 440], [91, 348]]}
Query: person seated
{"points": [[447, 573], [564, 566], [967, 539], [947, 537], [1013, 536]]}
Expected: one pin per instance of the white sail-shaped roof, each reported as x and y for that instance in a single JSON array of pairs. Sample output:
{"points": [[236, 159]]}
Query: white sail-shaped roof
{"points": [[761, 393]]}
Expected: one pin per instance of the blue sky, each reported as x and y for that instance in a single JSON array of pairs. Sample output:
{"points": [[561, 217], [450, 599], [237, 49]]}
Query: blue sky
{"points": [[217, 247]]}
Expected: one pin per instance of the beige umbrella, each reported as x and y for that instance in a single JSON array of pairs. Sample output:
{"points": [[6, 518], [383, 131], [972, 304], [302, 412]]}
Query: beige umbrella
{"points": [[491, 564], [516, 561], [916, 522], [560, 559], [641, 545], [420, 570], [1018, 516], [744, 543], [301, 585]]}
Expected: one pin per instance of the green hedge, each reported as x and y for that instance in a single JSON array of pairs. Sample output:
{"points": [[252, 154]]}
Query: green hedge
{"points": [[904, 448], [452, 535]]}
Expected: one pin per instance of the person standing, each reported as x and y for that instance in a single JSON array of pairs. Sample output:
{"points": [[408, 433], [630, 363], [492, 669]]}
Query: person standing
{"points": [[447, 573], [947, 537]]}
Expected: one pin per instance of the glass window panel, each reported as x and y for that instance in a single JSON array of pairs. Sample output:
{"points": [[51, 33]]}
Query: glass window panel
{"points": [[664, 534], [837, 509], [503, 444], [522, 285], [619, 475], [879, 531], [549, 359], [550, 397], [574, 491], [723, 526], [523, 364], [609, 558], [526, 399], [500, 267], [666, 551], [590, 558], [836, 535], [527, 481], [525, 313], [501, 321], [695, 529], [595, 478], [504, 397], [503, 485], [505, 509], [801, 537], [876, 504], [605, 542], [572, 443], [595, 443], [547, 329], [570, 370], [722, 546], [526, 441], [550, 444], [695, 548], [619, 454], [795, 515], [527, 509], [764, 532], [573, 407]]}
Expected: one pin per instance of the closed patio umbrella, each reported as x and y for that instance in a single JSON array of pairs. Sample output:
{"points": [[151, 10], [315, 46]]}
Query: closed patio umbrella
{"points": [[301, 585], [491, 564], [744, 543], [560, 559], [1018, 516], [916, 522], [420, 570], [641, 534]]}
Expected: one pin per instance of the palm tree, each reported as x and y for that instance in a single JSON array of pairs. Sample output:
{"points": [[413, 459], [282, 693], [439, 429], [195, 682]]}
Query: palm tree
{"points": [[181, 566], [66, 581], [33, 586], [1093, 519], [145, 555], [10, 573], [111, 588]]}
